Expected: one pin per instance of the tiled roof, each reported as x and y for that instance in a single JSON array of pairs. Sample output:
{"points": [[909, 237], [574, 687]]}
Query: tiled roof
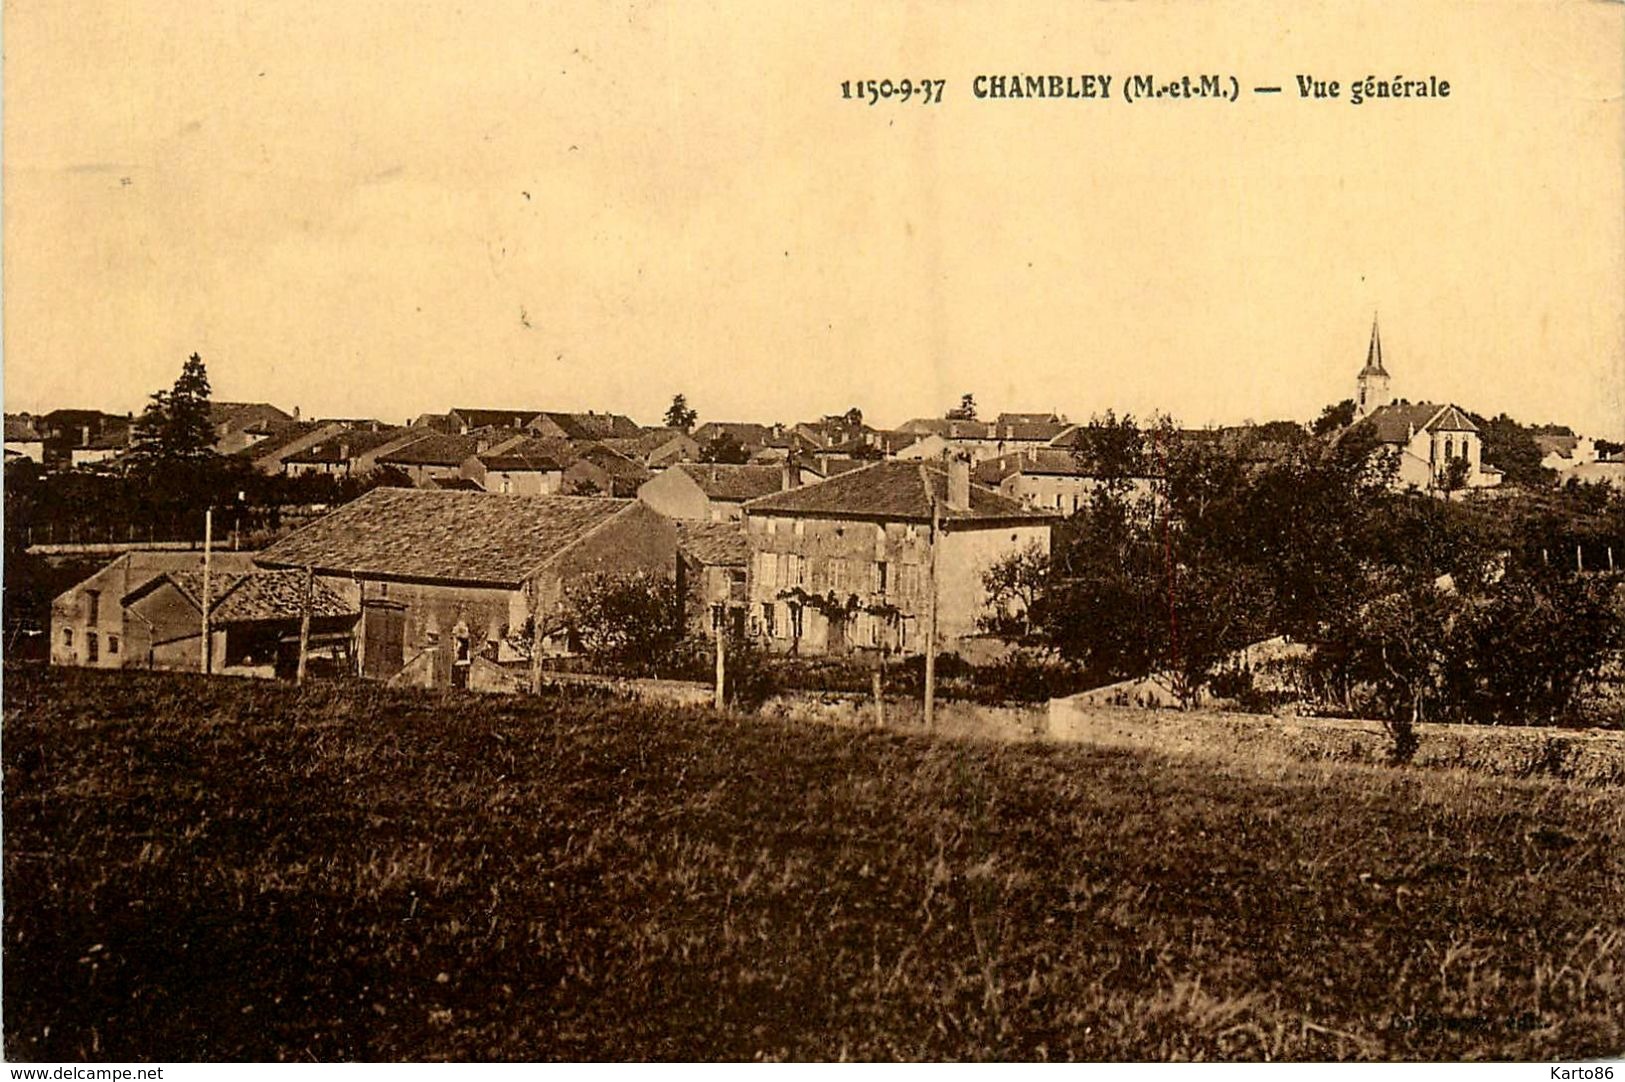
{"points": [[292, 432], [346, 445], [734, 484], [1396, 423], [444, 536], [436, 450], [244, 597], [1035, 431], [715, 544], [21, 429], [614, 463], [892, 490], [1049, 418], [1563, 445], [1037, 462], [746, 433], [221, 412], [652, 440], [523, 458], [485, 418], [594, 426]]}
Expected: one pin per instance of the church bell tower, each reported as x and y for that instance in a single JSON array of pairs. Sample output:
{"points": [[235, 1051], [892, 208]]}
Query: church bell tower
{"points": [[1372, 391]]}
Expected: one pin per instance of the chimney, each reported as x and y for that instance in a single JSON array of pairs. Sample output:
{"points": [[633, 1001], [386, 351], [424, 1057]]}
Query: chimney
{"points": [[791, 474], [959, 483], [296, 413], [84, 435]]}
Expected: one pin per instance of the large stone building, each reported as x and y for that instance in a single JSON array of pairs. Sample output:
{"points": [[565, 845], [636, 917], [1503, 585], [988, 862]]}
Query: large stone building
{"points": [[847, 562], [450, 584]]}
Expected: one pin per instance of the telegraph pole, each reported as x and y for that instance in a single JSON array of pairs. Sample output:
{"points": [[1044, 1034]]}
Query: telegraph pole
{"points": [[208, 542], [304, 622]]}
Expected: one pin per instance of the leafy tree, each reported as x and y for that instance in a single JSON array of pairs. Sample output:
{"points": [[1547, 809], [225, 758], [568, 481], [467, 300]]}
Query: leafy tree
{"points": [[853, 418], [966, 410], [1334, 418], [724, 449], [680, 415], [1532, 643], [1015, 585], [1453, 478], [1512, 447], [626, 622]]}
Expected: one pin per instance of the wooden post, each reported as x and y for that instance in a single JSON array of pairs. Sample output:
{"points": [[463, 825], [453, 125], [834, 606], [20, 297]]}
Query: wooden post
{"points": [[880, 702], [208, 540], [1579, 559], [931, 618], [304, 622], [536, 645], [722, 664], [1610, 558]]}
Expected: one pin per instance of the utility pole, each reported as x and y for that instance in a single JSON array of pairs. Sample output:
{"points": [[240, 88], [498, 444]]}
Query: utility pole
{"points": [[931, 617], [304, 622], [208, 543]]}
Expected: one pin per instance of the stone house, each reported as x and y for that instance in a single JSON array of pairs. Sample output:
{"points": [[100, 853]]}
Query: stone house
{"points": [[452, 584], [89, 620], [254, 622], [710, 492], [242, 424], [525, 469], [846, 563], [350, 452], [713, 562]]}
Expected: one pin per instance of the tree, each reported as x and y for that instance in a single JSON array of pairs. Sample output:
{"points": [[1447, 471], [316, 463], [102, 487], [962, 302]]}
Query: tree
{"points": [[1512, 447], [966, 410], [176, 426], [724, 449], [679, 415], [1334, 418], [1453, 478], [853, 418], [626, 622], [1015, 585]]}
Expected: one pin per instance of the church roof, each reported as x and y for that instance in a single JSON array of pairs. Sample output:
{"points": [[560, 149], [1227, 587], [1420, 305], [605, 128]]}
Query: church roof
{"points": [[1373, 355], [1398, 422]]}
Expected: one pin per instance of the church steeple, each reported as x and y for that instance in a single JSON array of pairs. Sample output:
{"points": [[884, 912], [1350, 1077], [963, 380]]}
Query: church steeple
{"points": [[1372, 383]]}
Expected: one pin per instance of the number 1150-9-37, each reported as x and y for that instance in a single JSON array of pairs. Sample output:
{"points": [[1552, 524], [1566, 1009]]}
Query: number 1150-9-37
{"points": [[929, 91]]}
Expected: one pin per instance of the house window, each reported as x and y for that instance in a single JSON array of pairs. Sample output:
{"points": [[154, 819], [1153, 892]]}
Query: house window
{"points": [[837, 574], [801, 528], [768, 622], [880, 576], [67, 637], [112, 645], [93, 606], [91, 653]]}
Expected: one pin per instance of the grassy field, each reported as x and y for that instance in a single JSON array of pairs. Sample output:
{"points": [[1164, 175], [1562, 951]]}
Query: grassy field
{"points": [[221, 869]]}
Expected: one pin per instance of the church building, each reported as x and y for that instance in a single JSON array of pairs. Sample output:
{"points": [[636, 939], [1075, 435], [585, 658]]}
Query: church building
{"points": [[1440, 448]]}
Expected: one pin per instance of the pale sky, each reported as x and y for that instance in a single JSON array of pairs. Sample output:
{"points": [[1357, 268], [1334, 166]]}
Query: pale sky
{"points": [[390, 208]]}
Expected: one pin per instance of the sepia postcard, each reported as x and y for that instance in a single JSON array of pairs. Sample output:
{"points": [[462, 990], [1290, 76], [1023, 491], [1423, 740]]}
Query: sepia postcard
{"points": [[750, 531]]}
